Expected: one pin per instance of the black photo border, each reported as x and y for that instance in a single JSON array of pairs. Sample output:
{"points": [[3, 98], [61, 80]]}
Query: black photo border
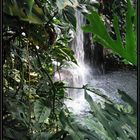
{"points": [[1, 71], [138, 70]]}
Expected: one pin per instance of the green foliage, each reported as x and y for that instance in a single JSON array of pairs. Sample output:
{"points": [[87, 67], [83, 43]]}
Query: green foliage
{"points": [[25, 10], [34, 37], [32, 99], [115, 117], [110, 120], [69, 15], [101, 35], [41, 111], [107, 119], [39, 13]]}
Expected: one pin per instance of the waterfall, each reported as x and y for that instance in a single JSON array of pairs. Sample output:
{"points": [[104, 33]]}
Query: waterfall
{"points": [[81, 72], [76, 75], [78, 44]]}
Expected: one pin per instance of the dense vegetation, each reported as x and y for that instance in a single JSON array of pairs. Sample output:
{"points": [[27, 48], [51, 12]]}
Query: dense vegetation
{"points": [[36, 38]]}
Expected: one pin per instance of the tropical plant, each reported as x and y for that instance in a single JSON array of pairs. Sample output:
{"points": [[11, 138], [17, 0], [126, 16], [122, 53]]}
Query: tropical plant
{"points": [[101, 34], [32, 44], [107, 119], [35, 46], [118, 120]]}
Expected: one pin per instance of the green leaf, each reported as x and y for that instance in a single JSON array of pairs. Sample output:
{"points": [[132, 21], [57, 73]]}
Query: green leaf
{"points": [[10, 133], [41, 111], [30, 5], [98, 112], [115, 114], [70, 126], [131, 45], [128, 99], [101, 35], [69, 15], [119, 39], [26, 11]]}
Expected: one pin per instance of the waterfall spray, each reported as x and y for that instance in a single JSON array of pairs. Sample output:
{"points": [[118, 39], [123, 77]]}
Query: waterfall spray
{"points": [[81, 72]]}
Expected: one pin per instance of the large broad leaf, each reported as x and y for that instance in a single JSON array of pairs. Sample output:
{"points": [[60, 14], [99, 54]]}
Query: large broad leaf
{"points": [[131, 42], [118, 119], [99, 115], [63, 53], [111, 116], [67, 10], [70, 126], [102, 36], [41, 111], [128, 99], [69, 15], [10, 133], [26, 10]]}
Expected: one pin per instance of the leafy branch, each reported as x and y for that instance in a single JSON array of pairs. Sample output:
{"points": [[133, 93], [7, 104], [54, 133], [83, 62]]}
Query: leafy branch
{"points": [[50, 80], [102, 36]]}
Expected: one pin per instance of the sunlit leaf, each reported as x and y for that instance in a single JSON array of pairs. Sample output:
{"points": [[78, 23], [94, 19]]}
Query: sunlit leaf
{"points": [[41, 111], [102, 36]]}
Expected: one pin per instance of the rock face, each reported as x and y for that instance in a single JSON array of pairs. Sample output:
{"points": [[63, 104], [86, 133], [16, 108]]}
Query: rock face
{"points": [[93, 55]]}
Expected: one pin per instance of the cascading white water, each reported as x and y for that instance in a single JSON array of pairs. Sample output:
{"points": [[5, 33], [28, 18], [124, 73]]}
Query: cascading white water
{"points": [[76, 75], [79, 75], [81, 71]]}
